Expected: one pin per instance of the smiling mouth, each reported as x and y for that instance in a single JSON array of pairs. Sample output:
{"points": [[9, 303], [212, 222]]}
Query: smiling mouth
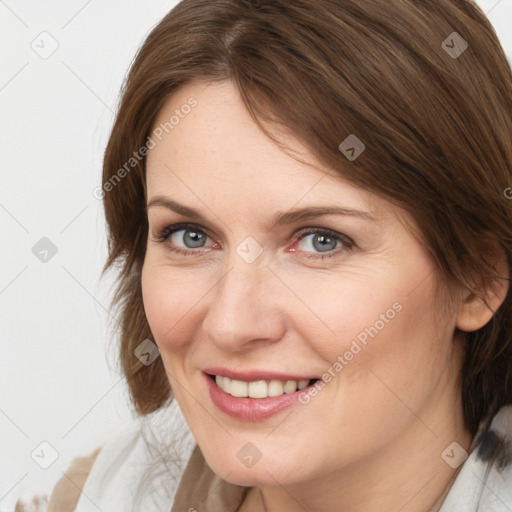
{"points": [[260, 388]]}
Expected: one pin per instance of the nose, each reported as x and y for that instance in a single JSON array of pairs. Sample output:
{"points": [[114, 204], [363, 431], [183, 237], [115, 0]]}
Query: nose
{"points": [[246, 308]]}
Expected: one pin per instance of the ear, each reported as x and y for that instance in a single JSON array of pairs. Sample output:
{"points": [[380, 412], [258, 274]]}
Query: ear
{"points": [[477, 309]]}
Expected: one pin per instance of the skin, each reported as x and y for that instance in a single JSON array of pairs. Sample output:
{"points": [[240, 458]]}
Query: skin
{"points": [[372, 438]]}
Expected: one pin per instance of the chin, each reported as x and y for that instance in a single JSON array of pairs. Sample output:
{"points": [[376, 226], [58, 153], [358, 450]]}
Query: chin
{"points": [[264, 473], [247, 478]]}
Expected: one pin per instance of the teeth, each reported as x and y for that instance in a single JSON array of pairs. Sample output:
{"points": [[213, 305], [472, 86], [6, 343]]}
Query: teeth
{"points": [[275, 388], [259, 388], [303, 384], [290, 386], [238, 388]]}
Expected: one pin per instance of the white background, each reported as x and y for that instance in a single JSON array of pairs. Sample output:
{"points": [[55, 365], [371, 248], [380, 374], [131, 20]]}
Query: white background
{"points": [[59, 380]]}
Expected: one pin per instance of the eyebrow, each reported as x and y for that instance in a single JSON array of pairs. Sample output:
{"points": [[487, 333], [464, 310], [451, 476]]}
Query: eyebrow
{"points": [[279, 219]]}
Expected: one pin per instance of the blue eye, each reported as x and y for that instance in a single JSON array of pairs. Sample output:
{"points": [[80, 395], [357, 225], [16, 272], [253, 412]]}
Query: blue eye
{"points": [[328, 243], [192, 239], [187, 234]]}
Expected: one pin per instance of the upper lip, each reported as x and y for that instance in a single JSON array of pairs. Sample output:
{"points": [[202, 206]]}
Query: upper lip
{"points": [[254, 375]]}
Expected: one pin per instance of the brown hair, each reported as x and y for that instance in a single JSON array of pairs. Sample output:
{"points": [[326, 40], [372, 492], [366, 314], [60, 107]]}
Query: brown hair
{"points": [[436, 125]]}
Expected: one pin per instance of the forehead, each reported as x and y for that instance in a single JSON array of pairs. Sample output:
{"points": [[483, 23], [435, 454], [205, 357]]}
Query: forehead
{"points": [[215, 151]]}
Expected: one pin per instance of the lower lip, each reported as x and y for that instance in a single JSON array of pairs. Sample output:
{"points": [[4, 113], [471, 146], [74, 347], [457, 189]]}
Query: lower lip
{"points": [[250, 409]]}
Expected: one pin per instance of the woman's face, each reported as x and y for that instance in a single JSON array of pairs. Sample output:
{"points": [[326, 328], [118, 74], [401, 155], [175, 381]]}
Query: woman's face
{"points": [[252, 299]]}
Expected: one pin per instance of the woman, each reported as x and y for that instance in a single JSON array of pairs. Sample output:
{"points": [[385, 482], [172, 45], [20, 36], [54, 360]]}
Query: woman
{"points": [[307, 203]]}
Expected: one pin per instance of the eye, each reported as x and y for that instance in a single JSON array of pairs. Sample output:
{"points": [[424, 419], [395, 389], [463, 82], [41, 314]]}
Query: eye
{"points": [[185, 238], [322, 243]]}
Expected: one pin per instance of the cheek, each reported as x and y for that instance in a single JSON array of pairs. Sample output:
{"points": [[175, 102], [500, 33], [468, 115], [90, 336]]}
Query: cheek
{"points": [[371, 321], [342, 310], [169, 302]]}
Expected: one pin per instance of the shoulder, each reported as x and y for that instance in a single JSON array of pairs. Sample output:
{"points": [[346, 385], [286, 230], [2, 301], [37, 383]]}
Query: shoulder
{"points": [[494, 442], [139, 464], [67, 490], [485, 479]]}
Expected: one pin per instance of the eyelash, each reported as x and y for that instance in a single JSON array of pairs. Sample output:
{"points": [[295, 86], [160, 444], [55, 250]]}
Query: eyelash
{"points": [[163, 234]]}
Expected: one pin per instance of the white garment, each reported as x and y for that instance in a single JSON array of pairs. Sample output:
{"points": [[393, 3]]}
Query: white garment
{"points": [[484, 483], [122, 477]]}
